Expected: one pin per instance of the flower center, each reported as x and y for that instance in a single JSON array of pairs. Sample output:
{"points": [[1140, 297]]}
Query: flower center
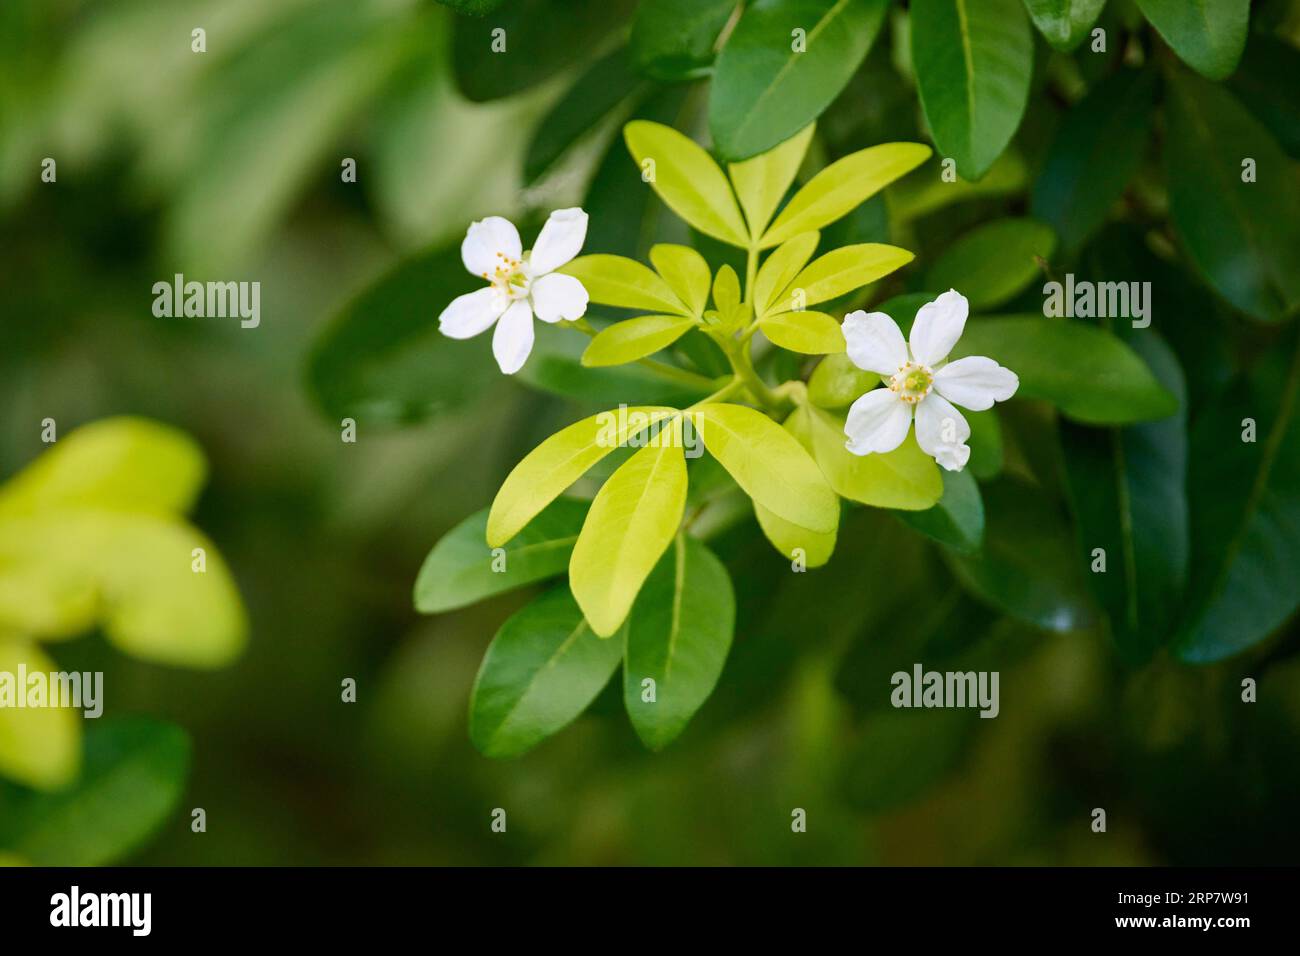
{"points": [[911, 382], [509, 277]]}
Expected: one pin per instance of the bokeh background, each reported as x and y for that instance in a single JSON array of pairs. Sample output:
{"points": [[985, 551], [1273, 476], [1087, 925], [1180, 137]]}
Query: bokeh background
{"points": [[227, 165]]}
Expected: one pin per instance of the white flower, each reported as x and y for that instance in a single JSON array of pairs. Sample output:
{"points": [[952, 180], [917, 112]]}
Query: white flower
{"points": [[919, 379], [522, 284]]}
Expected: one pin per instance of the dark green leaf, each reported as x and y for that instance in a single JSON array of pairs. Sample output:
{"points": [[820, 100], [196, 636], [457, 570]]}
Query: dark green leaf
{"points": [[1088, 373], [1245, 505], [1209, 35], [462, 569], [1064, 22], [472, 8], [678, 635], [958, 519], [541, 38], [1129, 490], [1268, 84], [591, 98], [133, 776], [383, 360], [541, 671], [993, 262], [766, 88], [973, 60], [1243, 236], [1027, 567], [1097, 149], [673, 39]]}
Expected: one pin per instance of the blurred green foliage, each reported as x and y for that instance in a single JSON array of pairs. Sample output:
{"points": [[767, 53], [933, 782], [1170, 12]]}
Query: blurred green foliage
{"points": [[226, 165]]}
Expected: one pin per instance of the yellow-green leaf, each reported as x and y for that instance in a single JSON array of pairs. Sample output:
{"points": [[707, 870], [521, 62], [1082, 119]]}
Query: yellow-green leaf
{"points": [[137, 576], [726, 291], [686, 273], [761, 182], [794, 542], [687, 180], [623, 282], [39, 746], [837, 383], [780, 268], [839, 271], [635, 338], [905, 478], [547, 470], [842, 186], [633, 519], [769, 465], [123, 464], [812, 333]]}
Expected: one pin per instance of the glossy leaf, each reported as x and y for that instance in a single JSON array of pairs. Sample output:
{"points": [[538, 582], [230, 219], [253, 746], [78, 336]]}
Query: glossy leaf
{"points": [[678, 635], [382, 359], [461, 569], [625, 283], [1064, 22], [779, 269], [636, 338], [1086, 372], [770, 82], [1243, 236], [957, 520], [541, 671], [843, 186], [685, 272], [1095, 154], [1026, 567], [1209, 35], [538, 43], [811, 333], [555, 464], [591, 98], [905, 478], [769, 465], [993, 262], [1129, 493], [840, 271], [792, 541], [1245, 507], [973, 61], [674, 39], [632, 520], [687, 180]]}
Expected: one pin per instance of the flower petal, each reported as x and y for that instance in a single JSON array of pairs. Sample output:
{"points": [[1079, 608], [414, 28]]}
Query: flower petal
{"points": [[975, 382], [513, 339], [875, 343], [470, 314], [877, 422], [487, 242], [558, 297], [560, 239], [938, 326], [941, 431]]}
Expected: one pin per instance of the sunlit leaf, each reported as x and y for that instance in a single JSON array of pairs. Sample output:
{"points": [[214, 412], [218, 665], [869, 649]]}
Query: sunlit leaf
{"points": [[635, 338]]}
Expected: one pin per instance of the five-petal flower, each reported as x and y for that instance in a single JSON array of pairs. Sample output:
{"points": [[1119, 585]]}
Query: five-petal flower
{"points": [[919, 380], [521, 284]]}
